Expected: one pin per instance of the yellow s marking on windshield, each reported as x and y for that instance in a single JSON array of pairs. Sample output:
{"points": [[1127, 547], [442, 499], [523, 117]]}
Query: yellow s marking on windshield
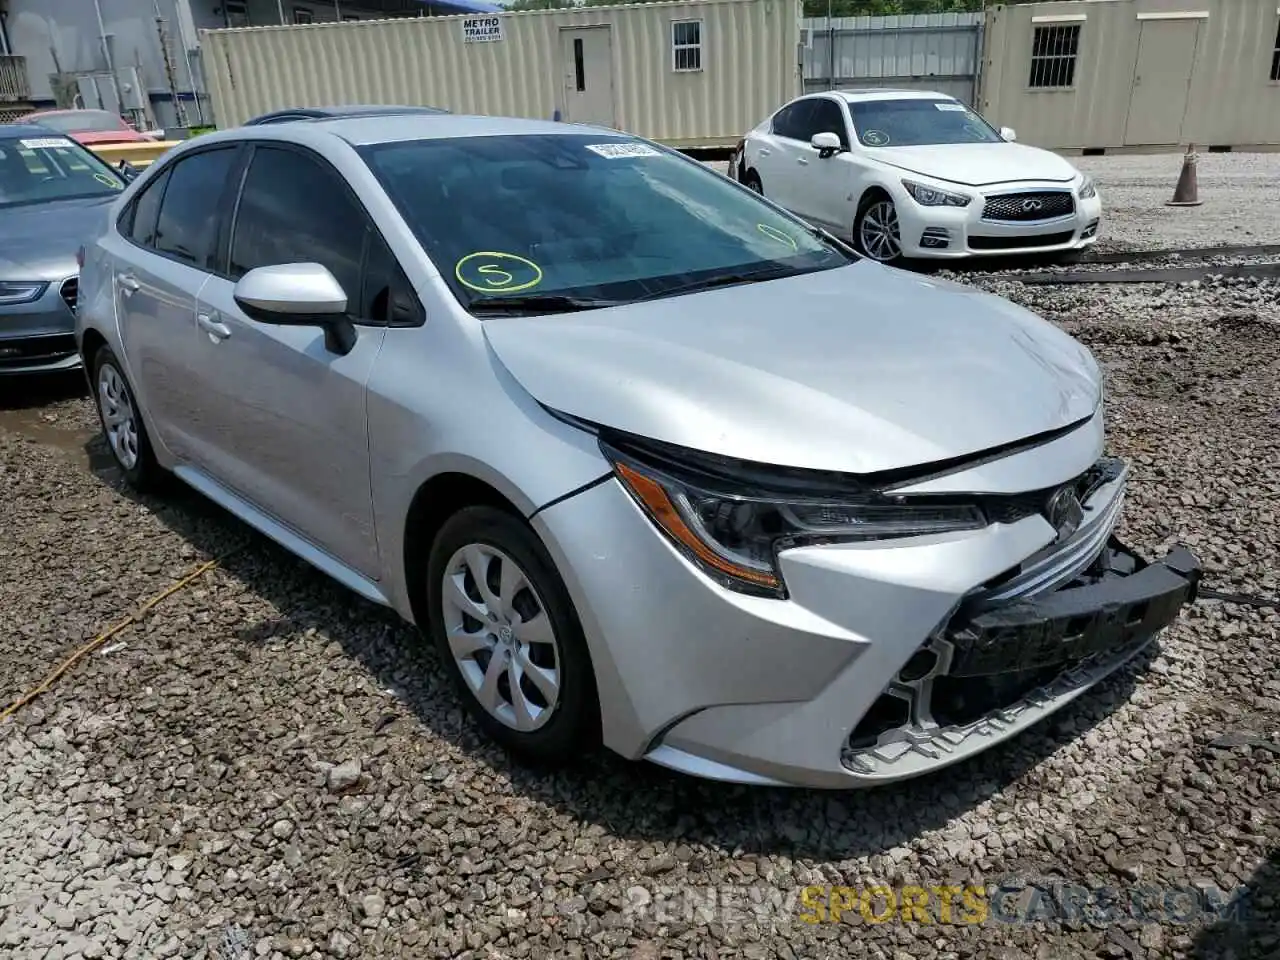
{"points": [[105, 180], [491, 271], [773, 233]]}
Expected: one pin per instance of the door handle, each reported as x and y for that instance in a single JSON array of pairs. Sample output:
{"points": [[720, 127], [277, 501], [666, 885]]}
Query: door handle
{"points": [[215, 329], [803, 161], [129, 284], [764, 152]]}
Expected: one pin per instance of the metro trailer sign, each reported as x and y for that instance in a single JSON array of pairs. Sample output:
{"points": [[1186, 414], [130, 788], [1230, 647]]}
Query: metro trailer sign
{"points": [[481, 29]]}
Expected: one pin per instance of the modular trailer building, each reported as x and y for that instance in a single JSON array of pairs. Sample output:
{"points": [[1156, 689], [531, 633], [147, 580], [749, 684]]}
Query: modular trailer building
{"points": [[689, 74], [1141, 75]]}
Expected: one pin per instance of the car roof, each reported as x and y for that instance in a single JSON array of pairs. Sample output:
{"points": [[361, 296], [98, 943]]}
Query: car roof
{"points": [[863, 94], [345, 110], [11, 130], [394, 128]]}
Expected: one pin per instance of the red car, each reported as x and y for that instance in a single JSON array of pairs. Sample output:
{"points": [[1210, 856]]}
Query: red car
{"points": [[88, 127]]}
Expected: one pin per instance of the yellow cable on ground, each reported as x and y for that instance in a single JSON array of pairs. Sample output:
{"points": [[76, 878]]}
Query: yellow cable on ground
{"points": [[102, 638]]}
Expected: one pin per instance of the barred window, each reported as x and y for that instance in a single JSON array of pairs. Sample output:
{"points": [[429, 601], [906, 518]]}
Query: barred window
{"points": [[1275, 58], [686, 45], [1053, 55]]}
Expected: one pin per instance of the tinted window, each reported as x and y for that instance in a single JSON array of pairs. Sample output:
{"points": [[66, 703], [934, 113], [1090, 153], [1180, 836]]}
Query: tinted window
{"points": [[796, 122], [145, 211], [826, 117], [914, 123], [387, 296], [187, 228], [41, 169], [294, 210], [587, 215]]}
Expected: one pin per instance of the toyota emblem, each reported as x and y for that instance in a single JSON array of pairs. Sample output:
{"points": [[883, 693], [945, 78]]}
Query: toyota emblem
{"points": [[1064, 512], [1030, 205]]}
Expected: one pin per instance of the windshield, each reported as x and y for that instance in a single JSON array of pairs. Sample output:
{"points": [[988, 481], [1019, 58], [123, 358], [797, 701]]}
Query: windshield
{"points": [[595, 218], [80, 121], [917, 123], [41, 169]]}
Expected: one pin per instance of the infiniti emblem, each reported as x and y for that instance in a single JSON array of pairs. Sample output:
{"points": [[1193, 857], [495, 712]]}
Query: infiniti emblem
{"points": [[1064, 512], [1029, 205]]}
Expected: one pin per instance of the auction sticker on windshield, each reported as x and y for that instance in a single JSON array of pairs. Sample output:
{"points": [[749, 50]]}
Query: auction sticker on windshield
{"points": [[491, 271], [616, 151], [953, 107], [45, 143]]}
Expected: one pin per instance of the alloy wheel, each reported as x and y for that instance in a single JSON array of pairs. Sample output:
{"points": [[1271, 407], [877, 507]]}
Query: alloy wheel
{"points": [[118, 416], [501, 637], [878, 232]]}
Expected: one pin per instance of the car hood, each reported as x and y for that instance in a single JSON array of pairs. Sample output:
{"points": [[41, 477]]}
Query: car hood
{"points": [[39, 240], [979, 164], [859, 369]]}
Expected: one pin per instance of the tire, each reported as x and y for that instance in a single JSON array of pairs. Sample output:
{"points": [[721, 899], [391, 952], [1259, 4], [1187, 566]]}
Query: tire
{"points": [[752, 182], [875, 214], [122, 426], [541, 727]]}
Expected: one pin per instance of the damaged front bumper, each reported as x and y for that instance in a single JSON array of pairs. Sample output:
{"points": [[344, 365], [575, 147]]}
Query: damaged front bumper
{"points": [[990, 672]]}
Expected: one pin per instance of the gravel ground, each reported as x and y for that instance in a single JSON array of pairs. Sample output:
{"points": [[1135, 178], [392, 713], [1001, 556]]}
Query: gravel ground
{"points": [[266, 766]]}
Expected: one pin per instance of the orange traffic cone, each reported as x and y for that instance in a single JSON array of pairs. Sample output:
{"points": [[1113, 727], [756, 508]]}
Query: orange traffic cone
{"points": [[1187, 192]]}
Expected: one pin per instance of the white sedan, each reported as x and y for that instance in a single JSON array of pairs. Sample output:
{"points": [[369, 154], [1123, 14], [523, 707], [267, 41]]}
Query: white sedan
{"points": [[910, 173]]}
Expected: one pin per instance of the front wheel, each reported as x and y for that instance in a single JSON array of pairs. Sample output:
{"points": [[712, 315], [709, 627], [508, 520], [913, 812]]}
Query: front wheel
{"points": [[752, 182], [876, 230], [504, 625]]}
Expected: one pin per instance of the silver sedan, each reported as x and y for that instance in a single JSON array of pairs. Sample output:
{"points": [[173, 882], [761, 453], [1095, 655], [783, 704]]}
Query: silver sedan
{"points": [[652, 461]]}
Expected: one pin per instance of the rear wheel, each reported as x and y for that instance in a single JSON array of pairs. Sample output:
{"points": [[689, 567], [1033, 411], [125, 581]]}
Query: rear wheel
{"points": [[507, 632], [752, 182], [122, 425], [876, 231]]}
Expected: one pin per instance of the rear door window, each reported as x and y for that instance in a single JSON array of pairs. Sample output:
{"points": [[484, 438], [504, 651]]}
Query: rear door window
{"points": [[187, 227], [146, 210]]}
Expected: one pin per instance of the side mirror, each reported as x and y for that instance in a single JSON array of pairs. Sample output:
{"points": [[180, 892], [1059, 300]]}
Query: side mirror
{"points": [[827, 144], [127, 170], [298, 294], [1009, 134]]}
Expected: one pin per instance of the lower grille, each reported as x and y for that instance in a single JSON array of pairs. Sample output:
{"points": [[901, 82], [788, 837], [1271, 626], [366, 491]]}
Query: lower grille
{"points": [[1029, 207], [70, 291], [34, 350], [1020, 243]]}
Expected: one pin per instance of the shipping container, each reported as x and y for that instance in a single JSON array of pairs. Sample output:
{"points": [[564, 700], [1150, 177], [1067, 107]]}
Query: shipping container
{"points": [[689, 74], [1141, 75]]}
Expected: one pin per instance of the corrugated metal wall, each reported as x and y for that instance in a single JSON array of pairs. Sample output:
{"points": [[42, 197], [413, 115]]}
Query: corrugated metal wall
{"points": [[750, 66], [1218, 57], [938, 51]]}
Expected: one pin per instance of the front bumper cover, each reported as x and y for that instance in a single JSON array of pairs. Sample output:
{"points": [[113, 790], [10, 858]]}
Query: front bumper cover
{"points": [[1130, 599], [988, 674]]}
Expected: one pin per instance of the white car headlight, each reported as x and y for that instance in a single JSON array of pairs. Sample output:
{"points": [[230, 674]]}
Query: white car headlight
{"points": [[1088, 189], [20, 292], [933, 197]]}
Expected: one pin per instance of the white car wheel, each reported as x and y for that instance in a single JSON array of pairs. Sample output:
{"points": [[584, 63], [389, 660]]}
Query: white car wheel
{"points": [[877, 231]]}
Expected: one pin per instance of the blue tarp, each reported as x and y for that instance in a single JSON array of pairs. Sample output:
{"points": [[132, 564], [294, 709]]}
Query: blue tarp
{"points": [[461, 6]]}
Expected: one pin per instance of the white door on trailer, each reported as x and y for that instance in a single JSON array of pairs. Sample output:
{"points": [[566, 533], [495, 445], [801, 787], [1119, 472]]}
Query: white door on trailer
{"points": [[587, 54], [1161, 81]]}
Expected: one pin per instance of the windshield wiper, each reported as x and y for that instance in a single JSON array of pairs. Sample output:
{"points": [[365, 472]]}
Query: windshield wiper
{"points": [[541, 303], [722, 280]]}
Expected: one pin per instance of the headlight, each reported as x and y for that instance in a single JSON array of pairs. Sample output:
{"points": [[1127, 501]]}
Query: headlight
{"points": [[734, 535], [933, 197], [1088, 189], [20, 292]]}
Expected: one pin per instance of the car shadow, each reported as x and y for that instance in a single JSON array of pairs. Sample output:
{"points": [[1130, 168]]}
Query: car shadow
{"points": [[638, 801], [1253, 931]]}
